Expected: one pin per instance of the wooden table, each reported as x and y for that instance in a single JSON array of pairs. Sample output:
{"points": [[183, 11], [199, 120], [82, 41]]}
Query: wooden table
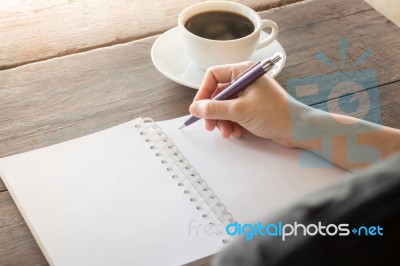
{"points": [[72, 68]]}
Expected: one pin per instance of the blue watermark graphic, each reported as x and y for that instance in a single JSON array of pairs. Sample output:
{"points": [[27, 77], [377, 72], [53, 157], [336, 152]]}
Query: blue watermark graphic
{"points": [[351, 93], [283, 230]]}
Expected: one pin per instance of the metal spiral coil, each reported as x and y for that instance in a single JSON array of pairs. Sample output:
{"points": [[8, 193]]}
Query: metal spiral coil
{"points": [[185, 175]]}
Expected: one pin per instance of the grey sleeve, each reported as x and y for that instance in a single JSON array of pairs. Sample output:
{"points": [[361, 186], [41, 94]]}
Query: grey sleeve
{"points": [[369, 198]]}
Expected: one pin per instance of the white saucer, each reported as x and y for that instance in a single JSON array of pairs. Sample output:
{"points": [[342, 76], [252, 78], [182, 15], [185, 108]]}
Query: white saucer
{"points": [[169, 58]]}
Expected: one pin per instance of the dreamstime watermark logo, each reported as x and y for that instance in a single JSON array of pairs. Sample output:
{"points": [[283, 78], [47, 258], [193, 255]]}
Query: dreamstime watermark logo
{"points": [[352, 93]]}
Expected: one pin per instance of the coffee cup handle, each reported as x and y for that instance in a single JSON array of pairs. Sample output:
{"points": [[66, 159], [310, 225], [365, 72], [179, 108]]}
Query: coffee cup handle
{"points": [[266, 23]]}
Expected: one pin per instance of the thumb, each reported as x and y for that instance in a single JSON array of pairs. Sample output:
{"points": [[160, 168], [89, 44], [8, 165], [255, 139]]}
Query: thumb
{"points": [[211, 109]]}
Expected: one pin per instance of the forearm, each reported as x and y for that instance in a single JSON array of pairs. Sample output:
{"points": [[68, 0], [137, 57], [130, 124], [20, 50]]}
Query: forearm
{"points": [[345, 141]]}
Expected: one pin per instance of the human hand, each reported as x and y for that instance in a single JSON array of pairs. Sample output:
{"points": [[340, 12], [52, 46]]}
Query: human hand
{"points": [[266, 110], [263, 108]]}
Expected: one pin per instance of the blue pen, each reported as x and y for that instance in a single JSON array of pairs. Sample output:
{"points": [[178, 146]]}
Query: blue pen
{"points": [[242, 82]]}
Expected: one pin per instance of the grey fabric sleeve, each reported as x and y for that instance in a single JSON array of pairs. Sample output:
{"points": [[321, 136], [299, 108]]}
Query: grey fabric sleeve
{"points": [[369, 198]]}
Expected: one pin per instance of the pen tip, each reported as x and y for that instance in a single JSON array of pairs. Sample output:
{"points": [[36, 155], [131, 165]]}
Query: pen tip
{"points": [[182, 126]]}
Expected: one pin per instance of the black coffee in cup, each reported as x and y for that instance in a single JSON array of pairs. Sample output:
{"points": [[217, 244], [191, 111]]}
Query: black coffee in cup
{"points": [[220, 25]]}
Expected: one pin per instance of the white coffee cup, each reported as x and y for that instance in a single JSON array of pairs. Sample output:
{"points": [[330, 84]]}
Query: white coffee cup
{"points": [[205, 53]]}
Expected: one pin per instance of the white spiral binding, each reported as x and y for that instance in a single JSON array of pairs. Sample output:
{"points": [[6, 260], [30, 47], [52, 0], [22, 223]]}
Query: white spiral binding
{"points": [[186, 176]]}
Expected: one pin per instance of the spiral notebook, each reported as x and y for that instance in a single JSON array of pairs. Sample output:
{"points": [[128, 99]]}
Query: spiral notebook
{"points": [[145, 193]]}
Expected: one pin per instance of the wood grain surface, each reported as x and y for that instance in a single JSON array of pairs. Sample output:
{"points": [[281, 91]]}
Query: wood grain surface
{"points": [[17, 246], [36, 30], [83, 90]]}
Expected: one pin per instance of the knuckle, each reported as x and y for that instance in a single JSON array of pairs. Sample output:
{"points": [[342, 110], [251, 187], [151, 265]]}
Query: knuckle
{"points": [[209, 71], [212, 70], [248, 63], [209, 109], [239, 68]]}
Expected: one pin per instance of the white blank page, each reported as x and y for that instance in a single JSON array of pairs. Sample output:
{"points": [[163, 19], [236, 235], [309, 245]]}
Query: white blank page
{"points": [[104, 199], [253, 177]]}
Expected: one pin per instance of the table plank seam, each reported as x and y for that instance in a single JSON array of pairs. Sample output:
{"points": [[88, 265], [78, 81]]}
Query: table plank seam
{"points": [[128, 39], [85, 49], [366, 89], [329, 19]]}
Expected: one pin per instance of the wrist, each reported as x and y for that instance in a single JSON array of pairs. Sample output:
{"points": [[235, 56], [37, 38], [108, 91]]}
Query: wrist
{"points": [[305, 125]]}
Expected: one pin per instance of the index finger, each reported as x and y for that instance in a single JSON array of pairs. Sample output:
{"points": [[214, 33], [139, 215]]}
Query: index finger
{"points": [[219, 74]]}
